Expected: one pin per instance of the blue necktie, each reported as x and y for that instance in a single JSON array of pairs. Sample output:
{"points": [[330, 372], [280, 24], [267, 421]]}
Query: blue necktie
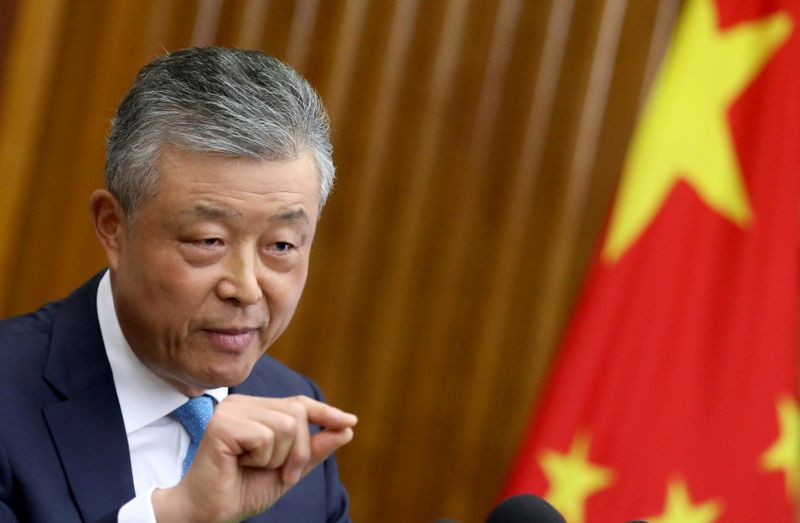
{"points": [[194, 416]]}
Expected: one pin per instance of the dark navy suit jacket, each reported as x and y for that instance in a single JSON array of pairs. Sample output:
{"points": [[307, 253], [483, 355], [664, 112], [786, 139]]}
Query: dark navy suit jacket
{"points": [[63, 448]]}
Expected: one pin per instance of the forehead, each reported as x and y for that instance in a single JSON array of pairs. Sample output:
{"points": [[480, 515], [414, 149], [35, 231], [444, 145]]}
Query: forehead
{"points": [[211, 212], [216, 187]]}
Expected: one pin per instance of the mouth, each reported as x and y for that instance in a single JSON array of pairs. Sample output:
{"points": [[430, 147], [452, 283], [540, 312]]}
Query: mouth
{"points": [[232, 339]]}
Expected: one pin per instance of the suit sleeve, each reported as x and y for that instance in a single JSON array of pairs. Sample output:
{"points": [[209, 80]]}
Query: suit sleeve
{"points": [[6, 514], [337, 501]]}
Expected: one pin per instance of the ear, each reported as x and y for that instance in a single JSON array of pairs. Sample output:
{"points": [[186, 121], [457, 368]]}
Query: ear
{"points": [[110, 224]]}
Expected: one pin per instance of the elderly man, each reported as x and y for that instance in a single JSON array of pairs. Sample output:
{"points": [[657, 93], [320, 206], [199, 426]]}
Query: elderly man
{"points": [[145, 395]]}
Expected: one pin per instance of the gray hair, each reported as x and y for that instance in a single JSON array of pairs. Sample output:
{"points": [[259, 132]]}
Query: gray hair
{"points": [[238, 103]]}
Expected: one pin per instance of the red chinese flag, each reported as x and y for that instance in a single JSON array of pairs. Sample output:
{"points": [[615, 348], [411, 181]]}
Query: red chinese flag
{"points": [[673, 395]]}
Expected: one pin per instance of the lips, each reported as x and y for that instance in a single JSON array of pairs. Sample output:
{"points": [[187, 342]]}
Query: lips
{"points": [[231, 339]]}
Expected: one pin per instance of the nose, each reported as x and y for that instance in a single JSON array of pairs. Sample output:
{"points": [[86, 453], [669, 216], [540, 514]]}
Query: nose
{"points": [[240, 283]]}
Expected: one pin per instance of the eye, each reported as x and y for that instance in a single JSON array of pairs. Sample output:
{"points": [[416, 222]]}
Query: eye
{"points": [[283, 246], [281, 249], [209, 243]]}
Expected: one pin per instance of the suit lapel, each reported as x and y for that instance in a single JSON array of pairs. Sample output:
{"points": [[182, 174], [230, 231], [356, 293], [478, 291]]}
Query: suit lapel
{"points": [[87, 426], [87, 430]]}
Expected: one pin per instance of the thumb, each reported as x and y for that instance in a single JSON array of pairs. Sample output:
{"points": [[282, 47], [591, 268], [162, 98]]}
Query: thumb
{"points": [[325, 442]]}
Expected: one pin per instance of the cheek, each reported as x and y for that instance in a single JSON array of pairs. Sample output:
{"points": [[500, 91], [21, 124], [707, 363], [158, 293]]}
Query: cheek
{"points": [[175, 292], [296, 286], [285, 294]]}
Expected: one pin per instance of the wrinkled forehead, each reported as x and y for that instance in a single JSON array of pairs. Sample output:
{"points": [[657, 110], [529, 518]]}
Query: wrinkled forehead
{"points": [[206, 211], [220, 182]]}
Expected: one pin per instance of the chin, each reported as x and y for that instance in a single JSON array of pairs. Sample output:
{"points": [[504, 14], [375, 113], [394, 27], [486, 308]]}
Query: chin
{"points": [[223, 376]]}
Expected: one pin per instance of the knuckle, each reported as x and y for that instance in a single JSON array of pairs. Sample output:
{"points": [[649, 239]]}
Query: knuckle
{"points": [[299, 401], [296, 410], [224, 411], [219, 421], [286, 424], [302, 453], [268, 438]]}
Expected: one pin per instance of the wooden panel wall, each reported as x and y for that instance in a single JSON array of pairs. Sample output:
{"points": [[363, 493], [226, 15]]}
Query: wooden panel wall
{"points": [[477, 144]]}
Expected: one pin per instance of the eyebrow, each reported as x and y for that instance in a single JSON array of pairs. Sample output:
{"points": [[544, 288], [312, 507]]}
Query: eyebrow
{"points": [[212, 212], [293, 215]]}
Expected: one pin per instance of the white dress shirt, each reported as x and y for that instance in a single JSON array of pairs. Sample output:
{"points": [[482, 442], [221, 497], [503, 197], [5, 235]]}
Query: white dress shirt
{"points": [[158, 444]]}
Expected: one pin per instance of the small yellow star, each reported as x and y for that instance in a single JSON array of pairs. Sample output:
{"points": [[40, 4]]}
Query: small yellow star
{"points": [[683, 132], [679, 507], [573, 478], [784, 454]]}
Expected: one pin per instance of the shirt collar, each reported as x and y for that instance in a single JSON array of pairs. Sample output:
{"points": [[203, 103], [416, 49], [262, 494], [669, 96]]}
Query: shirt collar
{"points": [[143, 396]]}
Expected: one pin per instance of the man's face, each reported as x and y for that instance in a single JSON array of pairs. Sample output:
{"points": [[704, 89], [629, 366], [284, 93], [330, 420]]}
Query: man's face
{"points": [[213, 268]]}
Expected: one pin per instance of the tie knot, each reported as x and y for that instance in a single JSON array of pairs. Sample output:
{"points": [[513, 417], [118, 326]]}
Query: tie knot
{"points": [[194, 416]]}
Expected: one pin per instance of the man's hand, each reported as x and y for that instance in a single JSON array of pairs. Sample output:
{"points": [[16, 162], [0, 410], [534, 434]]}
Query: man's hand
{"points": [[253, 451]]}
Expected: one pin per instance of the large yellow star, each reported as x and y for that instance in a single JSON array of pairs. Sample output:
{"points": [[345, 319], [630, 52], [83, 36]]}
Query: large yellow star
{"points": [[679, 507], [573, 478], [784, 454], [683, 132]]}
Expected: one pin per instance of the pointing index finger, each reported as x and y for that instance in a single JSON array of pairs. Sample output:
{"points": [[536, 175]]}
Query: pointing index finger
{"points": [[326, 415]]}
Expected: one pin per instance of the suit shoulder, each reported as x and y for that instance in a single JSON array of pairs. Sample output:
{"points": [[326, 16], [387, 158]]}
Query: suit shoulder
{"points": [[27, 336], [24, 349], [39, 321]]}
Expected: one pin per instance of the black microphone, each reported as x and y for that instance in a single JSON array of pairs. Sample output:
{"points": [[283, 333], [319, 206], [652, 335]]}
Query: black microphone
{"points": [[525, 508]]}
